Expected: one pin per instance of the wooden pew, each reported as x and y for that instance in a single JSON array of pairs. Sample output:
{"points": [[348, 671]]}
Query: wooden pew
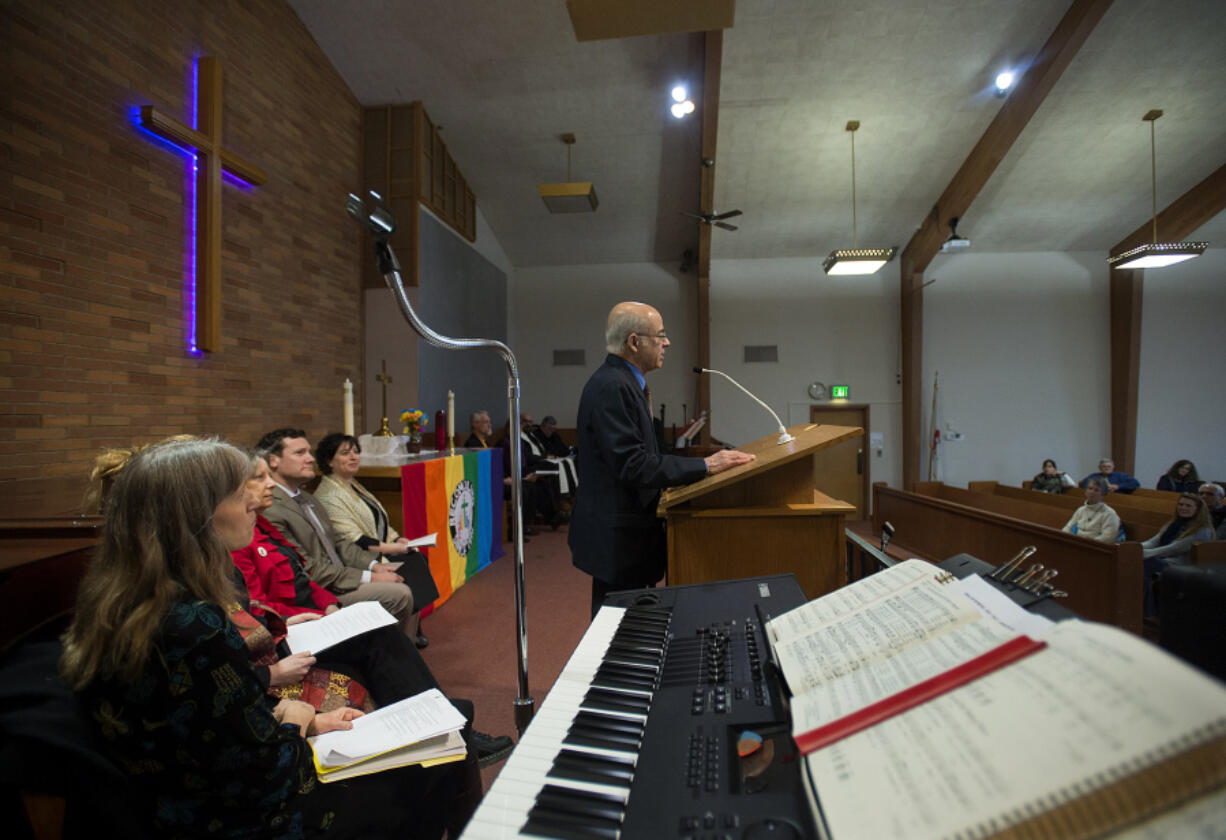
{"points": [[1154, 500], [1103, 579], [1138, 524], [1207, 553], [41, 562]]}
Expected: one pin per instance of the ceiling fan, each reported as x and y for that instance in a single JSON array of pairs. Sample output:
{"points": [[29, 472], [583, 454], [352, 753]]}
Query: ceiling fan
{"points": [[716, 219]]}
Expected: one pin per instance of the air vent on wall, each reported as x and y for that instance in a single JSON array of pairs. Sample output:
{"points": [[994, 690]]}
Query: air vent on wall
{"points": [[762, 353], [562, 358]]}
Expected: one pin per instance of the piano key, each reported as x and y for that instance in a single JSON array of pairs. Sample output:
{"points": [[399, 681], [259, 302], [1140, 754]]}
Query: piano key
{"points": [[589, 768], [554, 831], [608, 735]]}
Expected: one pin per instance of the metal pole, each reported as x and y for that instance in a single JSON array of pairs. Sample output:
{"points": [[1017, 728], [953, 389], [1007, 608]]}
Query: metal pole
{"points": [[380, 222]]}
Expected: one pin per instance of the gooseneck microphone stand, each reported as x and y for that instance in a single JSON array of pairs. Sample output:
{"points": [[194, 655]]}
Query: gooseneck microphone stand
{"points": [[380, 222]]}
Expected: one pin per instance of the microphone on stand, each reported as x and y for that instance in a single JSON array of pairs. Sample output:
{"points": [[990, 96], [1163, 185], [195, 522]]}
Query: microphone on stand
{"points": [[784, 437], [887, 531]]}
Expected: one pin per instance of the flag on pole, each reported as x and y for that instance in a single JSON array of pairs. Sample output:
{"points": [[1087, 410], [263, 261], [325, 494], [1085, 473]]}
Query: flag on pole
{"points": [[933, 451]]}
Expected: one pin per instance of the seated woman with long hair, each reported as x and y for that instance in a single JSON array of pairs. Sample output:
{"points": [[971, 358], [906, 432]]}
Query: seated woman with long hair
{"points": [[282, 673], [1180, 478], [1173, 542], [165, 677]]}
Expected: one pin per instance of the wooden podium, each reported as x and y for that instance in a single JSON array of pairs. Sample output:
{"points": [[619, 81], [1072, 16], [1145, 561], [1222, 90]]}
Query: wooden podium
{"points": [[762, 518]]}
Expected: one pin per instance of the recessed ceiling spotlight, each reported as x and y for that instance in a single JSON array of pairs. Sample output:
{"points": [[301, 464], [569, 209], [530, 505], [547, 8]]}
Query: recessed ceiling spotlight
{"points": [[680, 109], [680, 94], [1004, 81]]}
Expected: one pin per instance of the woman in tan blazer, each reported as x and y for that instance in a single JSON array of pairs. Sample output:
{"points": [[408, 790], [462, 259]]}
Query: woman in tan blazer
{"points": [[357, 515]]}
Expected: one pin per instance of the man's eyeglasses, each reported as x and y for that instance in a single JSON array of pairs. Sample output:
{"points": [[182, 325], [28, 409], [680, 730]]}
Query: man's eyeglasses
{"points": [[660, 336]]}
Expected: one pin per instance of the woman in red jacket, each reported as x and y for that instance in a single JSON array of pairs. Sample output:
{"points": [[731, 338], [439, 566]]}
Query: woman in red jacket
{"points": [[271, 565]]}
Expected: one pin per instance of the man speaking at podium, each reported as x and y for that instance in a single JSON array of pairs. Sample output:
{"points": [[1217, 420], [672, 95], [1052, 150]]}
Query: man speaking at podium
{"points": [[615, 535]]}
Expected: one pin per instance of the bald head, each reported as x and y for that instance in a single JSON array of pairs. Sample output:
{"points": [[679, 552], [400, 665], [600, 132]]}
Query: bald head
{"points": [[635, 331]]}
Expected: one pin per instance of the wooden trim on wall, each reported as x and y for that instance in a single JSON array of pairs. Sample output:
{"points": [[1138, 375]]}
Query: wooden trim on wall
{"points": [[713, 51], [1125, 302], [911, 338], [405, 160]]}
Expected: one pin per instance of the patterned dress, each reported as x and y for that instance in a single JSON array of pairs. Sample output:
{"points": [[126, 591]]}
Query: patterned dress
{"points": [[196, 736], [197, 733]]}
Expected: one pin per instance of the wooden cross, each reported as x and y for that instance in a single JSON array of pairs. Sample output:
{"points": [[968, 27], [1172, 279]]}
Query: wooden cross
{"points": [[384, 379], [205, 142]]}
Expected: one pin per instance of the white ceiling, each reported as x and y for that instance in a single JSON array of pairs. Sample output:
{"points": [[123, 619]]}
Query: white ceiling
{"points": [[504, 79]]}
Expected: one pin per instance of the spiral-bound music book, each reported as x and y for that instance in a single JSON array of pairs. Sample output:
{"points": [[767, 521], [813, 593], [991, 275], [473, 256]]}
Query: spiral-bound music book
{"points": [[1096, 732], [883, 645]]}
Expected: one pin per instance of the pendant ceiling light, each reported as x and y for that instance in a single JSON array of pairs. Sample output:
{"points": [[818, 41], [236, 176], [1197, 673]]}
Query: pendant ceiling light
{"points": [[569, 196], [856, 260], [1156, 254]]}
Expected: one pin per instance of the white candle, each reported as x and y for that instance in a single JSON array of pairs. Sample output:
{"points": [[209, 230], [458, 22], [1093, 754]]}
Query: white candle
{"points": [[450, 419], [348, 407]]}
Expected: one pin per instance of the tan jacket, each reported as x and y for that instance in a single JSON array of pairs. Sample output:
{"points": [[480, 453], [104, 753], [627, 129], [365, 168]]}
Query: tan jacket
{"points": [[289, 517], [351, 517]]}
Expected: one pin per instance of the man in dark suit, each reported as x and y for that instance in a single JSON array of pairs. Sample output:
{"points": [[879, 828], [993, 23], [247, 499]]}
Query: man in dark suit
{"points": [[615, 535]]}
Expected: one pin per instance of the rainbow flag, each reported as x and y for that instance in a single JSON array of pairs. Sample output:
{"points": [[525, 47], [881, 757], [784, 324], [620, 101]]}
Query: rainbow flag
{"points": [[460, 499]]}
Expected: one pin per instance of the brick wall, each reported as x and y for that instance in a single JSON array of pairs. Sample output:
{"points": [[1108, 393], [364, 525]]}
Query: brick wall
{"points": [[93, 324]]}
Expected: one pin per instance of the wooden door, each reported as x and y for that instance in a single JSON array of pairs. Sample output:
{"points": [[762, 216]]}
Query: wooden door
{"points": [[843, 470]]}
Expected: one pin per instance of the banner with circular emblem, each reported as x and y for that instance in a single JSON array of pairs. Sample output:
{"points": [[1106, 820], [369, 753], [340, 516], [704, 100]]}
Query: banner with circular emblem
{"points": [[460, 499]]}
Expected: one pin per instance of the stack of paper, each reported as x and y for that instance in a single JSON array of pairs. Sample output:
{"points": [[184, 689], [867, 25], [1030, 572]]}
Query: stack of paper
{"points": [[423, 729]]}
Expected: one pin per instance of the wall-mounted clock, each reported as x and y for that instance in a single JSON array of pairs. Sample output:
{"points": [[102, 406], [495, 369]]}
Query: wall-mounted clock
{"points": [[817, 391]]}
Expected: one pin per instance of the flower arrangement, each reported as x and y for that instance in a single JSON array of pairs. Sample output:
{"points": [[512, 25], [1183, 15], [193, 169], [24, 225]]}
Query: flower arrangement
{"points": [[414, 420]]}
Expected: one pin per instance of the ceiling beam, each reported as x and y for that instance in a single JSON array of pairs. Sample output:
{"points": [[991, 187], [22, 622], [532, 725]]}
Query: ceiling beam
{"points": [[1020, 105], [1184, 216], [713, 56]]}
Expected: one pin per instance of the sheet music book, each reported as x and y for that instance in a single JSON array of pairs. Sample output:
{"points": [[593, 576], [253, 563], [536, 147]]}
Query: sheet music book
{"points": [[1094, 733], [345, 623], [407, 732], [883, 645]]}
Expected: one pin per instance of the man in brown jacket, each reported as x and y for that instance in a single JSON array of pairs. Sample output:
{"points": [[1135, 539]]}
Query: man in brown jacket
{"points": [[349, 572]]}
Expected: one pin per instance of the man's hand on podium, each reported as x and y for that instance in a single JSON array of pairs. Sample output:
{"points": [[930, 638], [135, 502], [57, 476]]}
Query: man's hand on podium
{"points": [[726, 459]]}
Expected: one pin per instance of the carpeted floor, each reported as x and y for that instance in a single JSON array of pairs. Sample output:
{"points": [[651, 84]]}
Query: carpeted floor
{"points": [[472, 636]]}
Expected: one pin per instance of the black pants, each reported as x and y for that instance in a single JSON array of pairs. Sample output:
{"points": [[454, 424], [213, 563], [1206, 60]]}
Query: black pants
{"points": [[411, 801]]}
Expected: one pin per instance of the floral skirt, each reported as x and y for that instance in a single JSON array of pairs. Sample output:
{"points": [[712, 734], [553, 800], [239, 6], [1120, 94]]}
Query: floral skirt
{"points": [[325, 690]]}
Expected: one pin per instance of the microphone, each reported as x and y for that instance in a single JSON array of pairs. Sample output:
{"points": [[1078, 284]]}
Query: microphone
{"points": [[784, 437], [887, 531]]}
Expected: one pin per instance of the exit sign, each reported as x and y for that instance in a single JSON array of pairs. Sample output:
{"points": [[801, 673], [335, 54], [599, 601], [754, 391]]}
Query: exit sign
{"points": [[840, 392]]}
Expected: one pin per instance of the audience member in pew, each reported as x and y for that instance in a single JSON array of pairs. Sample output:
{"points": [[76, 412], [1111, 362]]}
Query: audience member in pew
{"points": [[360, 518], [1094, 519], [166, 681], [272, 575], [1180, 478], [536, 497], [349, 572], [1117, 482], [1051, 479], [1211, 494], [482, 429], [284, 675], [1173, 542], [550, 440]]}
